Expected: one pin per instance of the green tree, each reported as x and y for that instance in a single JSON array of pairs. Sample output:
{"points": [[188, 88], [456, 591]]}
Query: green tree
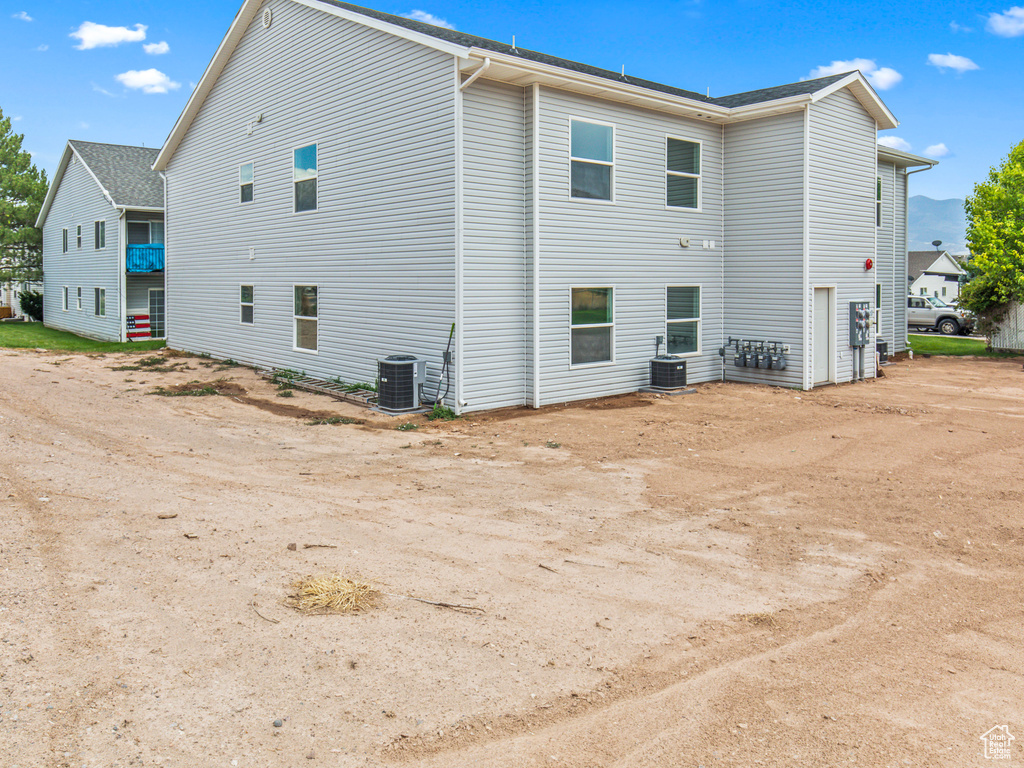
{"points": [[22, 191], [995, 234]]}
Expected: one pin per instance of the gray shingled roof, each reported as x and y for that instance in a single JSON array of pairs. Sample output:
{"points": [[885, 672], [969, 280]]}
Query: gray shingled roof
{"points": [[125, 172], [461, 38]]}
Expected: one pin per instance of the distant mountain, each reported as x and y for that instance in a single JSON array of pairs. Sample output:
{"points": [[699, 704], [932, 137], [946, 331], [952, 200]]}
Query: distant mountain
{"points": [[943, 220]]}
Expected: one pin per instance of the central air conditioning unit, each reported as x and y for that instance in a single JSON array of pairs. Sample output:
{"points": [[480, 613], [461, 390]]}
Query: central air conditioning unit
{"points": [[400, 379], [668, 372]]}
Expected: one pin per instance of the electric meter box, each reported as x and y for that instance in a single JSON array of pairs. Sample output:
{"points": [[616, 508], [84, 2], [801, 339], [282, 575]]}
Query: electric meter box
{"points": [[860, 323]]}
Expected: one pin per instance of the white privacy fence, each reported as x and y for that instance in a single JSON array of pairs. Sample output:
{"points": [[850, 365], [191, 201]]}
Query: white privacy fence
{"points": [[1009, 334]]}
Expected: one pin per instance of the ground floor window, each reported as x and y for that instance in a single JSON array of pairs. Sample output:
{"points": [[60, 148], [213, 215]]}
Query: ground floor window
{"points": [[682, 316], [79, 298], [592, 326], [246, 304], [305, 317], [100, 302], [65, 305]]}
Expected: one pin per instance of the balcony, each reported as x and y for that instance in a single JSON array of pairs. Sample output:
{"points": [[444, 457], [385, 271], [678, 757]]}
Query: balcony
{"points": [[145, 258]]}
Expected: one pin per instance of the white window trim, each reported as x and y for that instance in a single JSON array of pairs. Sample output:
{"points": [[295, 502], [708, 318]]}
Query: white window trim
{"points": [[572, 158], [67, 299], [78, 299], [97, 295], [78, 237], [64, 243], [253, 182], [95, 231], [600, 363], [293, 182], [698, 176], [878, 202], [253, 305], [295, 327], [149, 303], [699, 319]]}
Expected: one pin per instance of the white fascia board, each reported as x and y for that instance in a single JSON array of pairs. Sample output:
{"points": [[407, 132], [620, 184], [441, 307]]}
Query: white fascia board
{"points": [[903, 159], [140, 208], [430, 41], [866, 95], [769, 108], [559, 77], [242, 20]]}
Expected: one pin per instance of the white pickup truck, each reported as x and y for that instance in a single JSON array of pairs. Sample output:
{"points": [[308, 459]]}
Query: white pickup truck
{"points": [[932, 314]]}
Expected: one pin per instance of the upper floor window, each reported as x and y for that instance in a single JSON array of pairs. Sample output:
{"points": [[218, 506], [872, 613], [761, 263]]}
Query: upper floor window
{"points": [[682, 167], [245, 182], [878, 201], [78, 303], [304, 177], [100, 234], [65, 305], [79, 236], [64, 245], [592, 160]]}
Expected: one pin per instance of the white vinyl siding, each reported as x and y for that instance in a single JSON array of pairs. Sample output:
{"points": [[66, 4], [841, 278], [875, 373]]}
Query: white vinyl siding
{"points": [[385, 227], [764, 225], [842, 184]]}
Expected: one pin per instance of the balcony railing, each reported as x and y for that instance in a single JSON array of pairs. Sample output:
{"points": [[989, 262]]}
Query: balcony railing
{"points": [[145, 258]]}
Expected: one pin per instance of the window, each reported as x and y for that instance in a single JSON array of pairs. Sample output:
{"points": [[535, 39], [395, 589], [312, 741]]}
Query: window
{"points": [[100, 302], [79, 236], [682, 166], [64, 247], [592, 325], [878, 201], [924, 291], [304, 176], [246, 304], [306, 317], [592, 152], [682, 317], [245, 177], [100, 234], [943, 290], [65, 303], [156, 232], [79, 303], [878, 306]]}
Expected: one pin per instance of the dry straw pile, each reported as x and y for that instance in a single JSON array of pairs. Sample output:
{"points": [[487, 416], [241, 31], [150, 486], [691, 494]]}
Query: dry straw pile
{"points": [[333, 593]]}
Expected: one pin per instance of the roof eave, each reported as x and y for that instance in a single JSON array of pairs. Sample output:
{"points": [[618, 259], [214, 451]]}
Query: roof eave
{"points": [[51, 193], [904, 159]]}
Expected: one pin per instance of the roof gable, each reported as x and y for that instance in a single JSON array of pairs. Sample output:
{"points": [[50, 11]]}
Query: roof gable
{"points": [[932, 262], [123, 174]]}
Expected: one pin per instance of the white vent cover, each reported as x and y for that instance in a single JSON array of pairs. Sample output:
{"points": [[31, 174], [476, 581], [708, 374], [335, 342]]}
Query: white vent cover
{"points": [[268, 18]]}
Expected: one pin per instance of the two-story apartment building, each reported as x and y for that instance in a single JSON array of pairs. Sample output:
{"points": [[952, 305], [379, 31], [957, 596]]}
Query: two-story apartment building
{"points": [[103, 243], [345, 184]]}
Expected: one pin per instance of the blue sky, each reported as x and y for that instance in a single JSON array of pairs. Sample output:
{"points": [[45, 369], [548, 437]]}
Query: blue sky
{"points": [[121, 72]]}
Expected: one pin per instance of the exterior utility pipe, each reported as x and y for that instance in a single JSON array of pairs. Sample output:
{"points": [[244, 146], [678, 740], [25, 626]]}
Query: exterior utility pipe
{"points": [[476, 73]]}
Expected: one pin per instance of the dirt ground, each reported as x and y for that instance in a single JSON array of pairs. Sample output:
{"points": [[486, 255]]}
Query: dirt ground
{"points": [[744, 576]]}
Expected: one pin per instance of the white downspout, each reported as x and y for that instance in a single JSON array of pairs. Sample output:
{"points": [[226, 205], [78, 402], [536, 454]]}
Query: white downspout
{"points": [[460, 330], [535, 192], [476, 73], [808, 373]]}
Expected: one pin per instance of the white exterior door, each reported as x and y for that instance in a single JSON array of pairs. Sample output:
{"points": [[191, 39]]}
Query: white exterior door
{"points": [[823, 341]]}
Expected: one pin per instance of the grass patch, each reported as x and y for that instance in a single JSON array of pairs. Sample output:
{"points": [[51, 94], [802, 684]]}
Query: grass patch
{"points": [[37, 336], [286, 393], [442, 412], [192, 389], [155, 364], [348, 386], [333, 420], [552, 444], [407, 427], [951, 345]]}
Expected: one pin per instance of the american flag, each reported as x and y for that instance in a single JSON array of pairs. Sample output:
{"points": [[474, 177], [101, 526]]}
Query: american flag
{"points": [[138, 327]]}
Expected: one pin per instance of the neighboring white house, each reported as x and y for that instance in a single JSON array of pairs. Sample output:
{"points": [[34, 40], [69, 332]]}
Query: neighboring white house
{"points": [[9, 295], [103, 243], [382, 179], [931, 273]]}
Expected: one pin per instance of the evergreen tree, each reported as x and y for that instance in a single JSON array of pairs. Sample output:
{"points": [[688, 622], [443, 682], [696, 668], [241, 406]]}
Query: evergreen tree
{"points": [[22, 191]]}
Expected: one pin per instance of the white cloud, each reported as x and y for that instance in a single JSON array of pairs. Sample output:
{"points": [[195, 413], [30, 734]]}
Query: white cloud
{"points": [[882, 78], [93, 35], [951, 61], [895, 142], [156, 49], [17, 119], [104, 91], [954, 27], [937, 150], [148, 81], [44, 47], [1008, 23], [428, 18], [21, 15]]}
